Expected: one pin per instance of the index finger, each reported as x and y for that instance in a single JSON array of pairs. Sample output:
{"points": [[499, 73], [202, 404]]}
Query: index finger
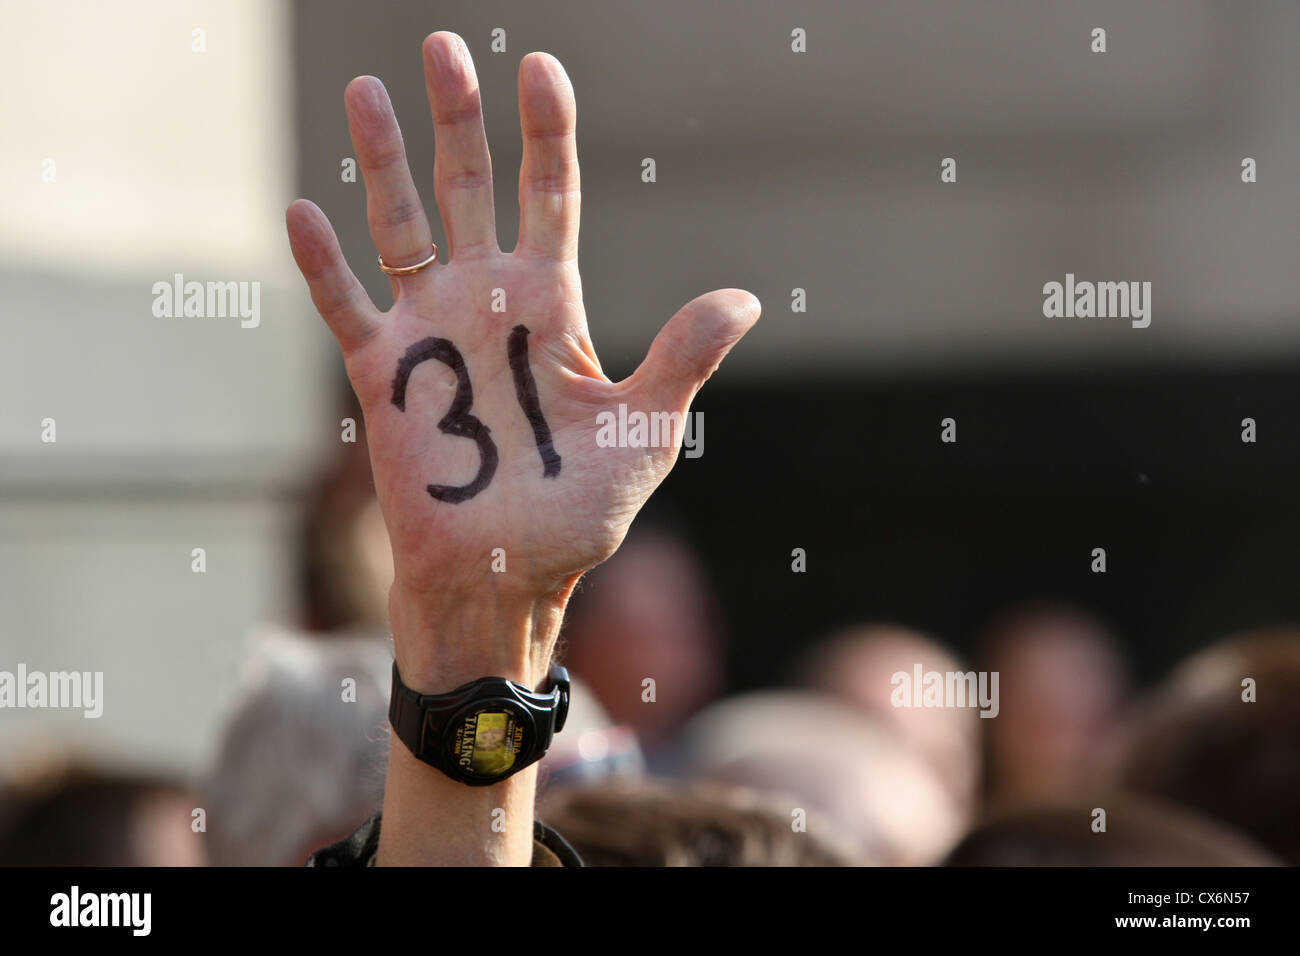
{"points": [[549, 188]]}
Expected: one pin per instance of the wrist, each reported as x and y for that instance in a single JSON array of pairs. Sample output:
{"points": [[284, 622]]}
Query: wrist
{"points": [[440, 643]]}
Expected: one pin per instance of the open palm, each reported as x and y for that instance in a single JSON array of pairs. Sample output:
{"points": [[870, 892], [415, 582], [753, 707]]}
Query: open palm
{"points": [[480, 387]]}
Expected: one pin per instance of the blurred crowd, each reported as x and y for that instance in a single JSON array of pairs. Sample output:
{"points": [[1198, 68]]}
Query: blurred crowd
{"points": [[660, 766]]}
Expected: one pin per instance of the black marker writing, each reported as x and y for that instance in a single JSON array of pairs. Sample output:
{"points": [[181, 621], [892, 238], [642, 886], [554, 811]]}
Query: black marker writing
{"points": [[458, 421], [526, 392]]}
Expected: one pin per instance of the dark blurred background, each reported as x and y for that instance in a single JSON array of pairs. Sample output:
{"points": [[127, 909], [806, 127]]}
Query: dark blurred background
{"points": [[1199, 529]]}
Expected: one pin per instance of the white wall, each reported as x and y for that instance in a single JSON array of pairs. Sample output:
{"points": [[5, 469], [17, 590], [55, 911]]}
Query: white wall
{"points": [[172, 433]]}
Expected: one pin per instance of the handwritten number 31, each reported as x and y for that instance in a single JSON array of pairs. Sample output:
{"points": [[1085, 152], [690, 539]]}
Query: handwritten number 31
{"points": [[459, 422]]}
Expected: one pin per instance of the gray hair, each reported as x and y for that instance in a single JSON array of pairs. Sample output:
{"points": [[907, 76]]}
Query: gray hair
{"points": [[304, 753]]}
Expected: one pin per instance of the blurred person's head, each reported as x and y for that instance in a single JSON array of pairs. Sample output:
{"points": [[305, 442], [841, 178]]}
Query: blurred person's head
{"points": [[1138, 832], [1195, 741], [858, 666], [881, 801], [656, 823], [1063, 686], [345, 559], [302, 758], [81, 816], [647, 613]]}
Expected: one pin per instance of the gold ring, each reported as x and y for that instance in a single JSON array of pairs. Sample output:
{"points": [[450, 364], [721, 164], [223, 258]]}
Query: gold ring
{"points": [[409, 270]]}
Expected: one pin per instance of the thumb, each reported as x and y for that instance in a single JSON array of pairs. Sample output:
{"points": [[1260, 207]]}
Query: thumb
{"points": [[693, 344]]}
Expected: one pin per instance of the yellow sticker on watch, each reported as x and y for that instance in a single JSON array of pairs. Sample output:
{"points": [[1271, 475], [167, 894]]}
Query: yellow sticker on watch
{"points": [[489, 742]]}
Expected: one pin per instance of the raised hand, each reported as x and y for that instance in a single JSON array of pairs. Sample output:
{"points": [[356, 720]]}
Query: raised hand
{"points": [[480, 387]]}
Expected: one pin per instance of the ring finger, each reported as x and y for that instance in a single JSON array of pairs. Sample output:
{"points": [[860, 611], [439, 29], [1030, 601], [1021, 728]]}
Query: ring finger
{"points": [[393, 207]]}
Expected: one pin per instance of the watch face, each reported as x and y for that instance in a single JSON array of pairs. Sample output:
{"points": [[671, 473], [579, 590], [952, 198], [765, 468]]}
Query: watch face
{"points": [[488, 740]]}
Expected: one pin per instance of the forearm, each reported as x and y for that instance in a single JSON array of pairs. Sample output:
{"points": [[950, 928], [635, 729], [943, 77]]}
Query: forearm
{"points": [[430, 819]]}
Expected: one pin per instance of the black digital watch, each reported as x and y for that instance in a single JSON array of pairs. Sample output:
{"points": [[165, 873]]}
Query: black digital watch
{"points": [[483, 731]]}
